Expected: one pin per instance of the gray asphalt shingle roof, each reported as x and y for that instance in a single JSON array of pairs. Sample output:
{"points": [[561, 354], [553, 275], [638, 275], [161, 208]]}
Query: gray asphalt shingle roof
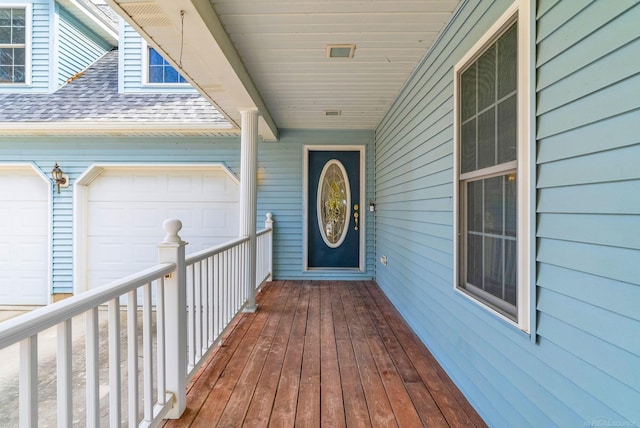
{"points": [[94, 97]]}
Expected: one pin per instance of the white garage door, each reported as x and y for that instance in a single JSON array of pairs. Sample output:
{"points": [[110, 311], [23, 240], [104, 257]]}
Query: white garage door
{"points": [[23, 237], [126, 209]]}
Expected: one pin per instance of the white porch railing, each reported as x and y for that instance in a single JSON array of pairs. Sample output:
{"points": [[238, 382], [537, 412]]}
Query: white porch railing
{"points": [[196, 298]]}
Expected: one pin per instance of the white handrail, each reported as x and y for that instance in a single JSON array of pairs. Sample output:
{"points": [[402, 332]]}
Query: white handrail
{"points": [[26, 325], [208, 252], [196, 299]]}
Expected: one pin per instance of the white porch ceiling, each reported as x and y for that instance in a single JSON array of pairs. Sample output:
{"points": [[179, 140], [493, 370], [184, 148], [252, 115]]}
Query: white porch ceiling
{"points": [[271, 54]]}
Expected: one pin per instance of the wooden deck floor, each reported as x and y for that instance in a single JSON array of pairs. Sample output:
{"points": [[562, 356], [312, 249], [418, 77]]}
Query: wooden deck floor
{"points": [[329, 354]]}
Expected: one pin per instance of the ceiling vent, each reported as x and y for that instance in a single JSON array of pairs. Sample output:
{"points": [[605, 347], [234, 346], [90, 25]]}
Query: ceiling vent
{"points": [[329, 113], [340, 51]]}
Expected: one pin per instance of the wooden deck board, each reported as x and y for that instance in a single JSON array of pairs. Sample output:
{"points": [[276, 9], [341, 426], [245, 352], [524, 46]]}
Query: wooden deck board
{"points": [[323, 354]]}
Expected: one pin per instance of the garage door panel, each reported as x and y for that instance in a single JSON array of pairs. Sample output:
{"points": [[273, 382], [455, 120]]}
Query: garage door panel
{"points": [[26, 185], [31, 254], [21, 287], [177, 184], [126, 210], [107, 252], [23, 237], [146, 219], [223, 189], [23, 218], [217, 221]]}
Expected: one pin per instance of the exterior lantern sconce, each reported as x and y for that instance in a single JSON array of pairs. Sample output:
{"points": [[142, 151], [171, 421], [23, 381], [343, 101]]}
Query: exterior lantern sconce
{"points": [[60, 178], [372, 205]]}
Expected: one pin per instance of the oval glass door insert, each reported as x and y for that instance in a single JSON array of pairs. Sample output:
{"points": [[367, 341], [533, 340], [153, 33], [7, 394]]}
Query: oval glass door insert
{"points": [[334, 203]]}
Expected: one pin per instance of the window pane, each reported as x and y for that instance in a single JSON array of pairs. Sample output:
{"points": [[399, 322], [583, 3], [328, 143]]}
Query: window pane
{"points": [[18, 18], [474, 206], [155, 58], [6, 56], [493, 205], [487, 79], [487, 139], [468, 143], [5, 17], [155, 74], [18, 74], [19, 56], [507, 62], [6, 74], [507, 129], [170, 75], [474, 260], [468, 93], [493, 266], [5, 35], [17, 36], [511, 201], [510, 271]]}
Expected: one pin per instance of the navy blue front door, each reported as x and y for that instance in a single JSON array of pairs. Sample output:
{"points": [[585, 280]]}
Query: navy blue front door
{"points": [[334, 209]]}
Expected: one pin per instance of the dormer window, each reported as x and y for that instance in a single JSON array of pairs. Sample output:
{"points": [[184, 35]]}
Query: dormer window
{"points": [[160, 71], [13, 45]]}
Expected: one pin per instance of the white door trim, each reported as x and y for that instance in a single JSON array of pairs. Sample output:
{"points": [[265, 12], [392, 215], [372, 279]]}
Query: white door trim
{"points": [[305, 202], [80, 206]]}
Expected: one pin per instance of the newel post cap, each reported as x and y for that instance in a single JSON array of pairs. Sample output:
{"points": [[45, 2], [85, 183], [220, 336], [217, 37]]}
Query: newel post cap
{"points": [[171, 227]]}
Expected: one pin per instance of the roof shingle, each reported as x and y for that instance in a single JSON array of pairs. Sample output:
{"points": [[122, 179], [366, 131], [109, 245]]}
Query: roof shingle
{"points": [[94, 97]]}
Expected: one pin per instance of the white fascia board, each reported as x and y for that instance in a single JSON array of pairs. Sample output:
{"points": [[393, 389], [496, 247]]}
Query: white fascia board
{"points": [[115, 128], [92, 20]]}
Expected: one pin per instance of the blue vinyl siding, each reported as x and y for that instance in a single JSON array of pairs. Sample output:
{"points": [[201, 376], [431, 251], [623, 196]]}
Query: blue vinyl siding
{"points": [[78, 47], [280, 191], [280, 188], [588, 209], [132, 62], [584, 365]]}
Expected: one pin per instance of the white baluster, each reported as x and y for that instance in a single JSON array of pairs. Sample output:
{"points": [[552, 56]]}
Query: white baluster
{"points": [[93, 373], [147, 345], [132, 355], [29, 382], [65, 375], [115, 381]]}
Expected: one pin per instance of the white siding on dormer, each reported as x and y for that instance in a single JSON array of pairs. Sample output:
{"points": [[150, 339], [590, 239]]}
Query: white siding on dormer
{"points": [[78, 46], [132, 63]]}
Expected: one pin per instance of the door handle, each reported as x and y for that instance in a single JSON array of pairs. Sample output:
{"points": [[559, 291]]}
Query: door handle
{"points": [[356, 215]]}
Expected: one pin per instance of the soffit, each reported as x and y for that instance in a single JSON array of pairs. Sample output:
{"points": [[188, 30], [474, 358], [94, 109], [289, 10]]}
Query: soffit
{"points": [[281, 47]]}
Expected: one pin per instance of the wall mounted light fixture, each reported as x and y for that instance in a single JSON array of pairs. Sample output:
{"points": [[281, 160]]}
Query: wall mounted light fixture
{"points": [[60, 178]]}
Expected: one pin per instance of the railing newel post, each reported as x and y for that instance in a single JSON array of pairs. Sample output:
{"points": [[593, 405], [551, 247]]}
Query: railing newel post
{"points": [[268, 224], [172, 250]]}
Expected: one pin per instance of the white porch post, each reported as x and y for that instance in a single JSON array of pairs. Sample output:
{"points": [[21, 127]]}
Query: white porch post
{"points": [[172, 249], [248, 198]]}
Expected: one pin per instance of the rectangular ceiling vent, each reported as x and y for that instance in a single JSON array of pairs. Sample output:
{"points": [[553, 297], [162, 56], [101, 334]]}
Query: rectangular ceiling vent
{"points": [[147, 14], [328, 113], [340, 51]]}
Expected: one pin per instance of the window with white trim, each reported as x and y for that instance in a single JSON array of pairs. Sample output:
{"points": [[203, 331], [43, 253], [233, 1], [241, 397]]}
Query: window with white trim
{"points": [[491, 184], [160, 71], [13, 45]]}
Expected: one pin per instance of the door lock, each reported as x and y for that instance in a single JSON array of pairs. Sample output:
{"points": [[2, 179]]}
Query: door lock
{"points": [[356, 215]]}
